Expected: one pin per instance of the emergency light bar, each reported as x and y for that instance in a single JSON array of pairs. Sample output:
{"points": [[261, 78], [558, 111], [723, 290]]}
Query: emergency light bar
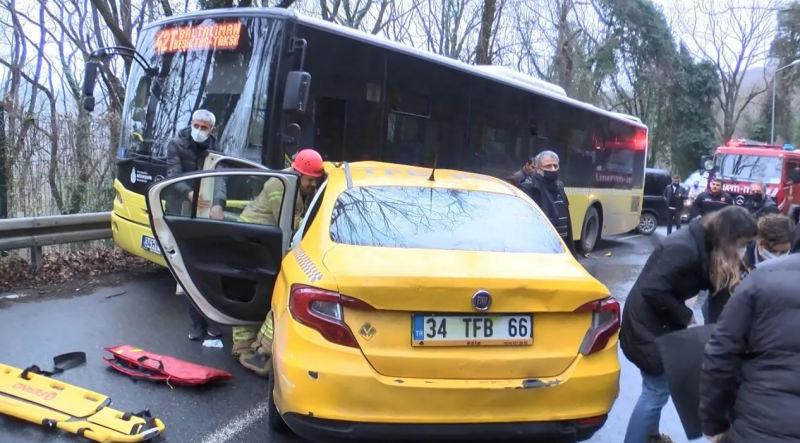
{"points": [[744, 143]]}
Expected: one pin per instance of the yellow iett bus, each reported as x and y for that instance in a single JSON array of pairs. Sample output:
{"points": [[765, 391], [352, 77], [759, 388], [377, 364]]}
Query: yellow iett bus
{"points": [[277, 81]]}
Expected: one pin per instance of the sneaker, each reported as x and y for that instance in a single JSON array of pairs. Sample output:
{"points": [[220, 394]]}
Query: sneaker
{"points": [[196, 332], [213, 332], [257, 362]]}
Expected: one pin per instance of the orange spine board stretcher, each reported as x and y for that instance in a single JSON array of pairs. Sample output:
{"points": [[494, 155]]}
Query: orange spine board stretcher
{"points": [[58, 405]]}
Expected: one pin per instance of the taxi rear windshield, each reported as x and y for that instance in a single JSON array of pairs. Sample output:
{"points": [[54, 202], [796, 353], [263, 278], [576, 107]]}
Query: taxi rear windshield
{"points": [[436, 218]]}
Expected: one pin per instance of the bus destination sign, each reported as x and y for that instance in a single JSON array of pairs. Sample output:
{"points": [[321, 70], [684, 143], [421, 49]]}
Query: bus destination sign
{"points": [[201, 37]]}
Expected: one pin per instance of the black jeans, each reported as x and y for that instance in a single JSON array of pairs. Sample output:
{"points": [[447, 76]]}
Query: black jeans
{"points": [[674, 217], [197, 318]]}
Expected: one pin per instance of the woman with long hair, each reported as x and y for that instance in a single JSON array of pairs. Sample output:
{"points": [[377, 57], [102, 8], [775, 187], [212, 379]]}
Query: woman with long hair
{"points": [[706, 256], [773, 240]]}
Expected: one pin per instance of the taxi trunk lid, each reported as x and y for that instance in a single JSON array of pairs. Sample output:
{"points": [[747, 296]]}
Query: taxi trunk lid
{"points": [[398, 283]]}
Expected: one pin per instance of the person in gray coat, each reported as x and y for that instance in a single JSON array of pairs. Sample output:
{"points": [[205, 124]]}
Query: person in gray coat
{"points": [[749, 386], [186, 153]]}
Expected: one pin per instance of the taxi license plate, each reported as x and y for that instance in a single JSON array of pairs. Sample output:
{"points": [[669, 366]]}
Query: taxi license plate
{"points": [[471, 330], [150, 244]]}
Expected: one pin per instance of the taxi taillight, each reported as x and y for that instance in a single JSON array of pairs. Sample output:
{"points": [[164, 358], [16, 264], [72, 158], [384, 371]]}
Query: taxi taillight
{"points": [[605, 323], [322, 310]]}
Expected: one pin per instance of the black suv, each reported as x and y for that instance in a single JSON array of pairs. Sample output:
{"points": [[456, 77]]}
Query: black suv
{"points": [[654, 206]]}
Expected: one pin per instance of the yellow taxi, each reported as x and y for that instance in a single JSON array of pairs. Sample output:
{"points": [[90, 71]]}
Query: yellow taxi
{"points": [[408, 302]]}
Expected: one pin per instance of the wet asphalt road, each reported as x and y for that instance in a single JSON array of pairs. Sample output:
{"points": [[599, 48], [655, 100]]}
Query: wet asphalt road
{"points": [[146, 313]]}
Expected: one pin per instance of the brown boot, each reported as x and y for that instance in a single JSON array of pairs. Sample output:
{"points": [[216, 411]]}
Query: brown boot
{"points": [[257, 362]]}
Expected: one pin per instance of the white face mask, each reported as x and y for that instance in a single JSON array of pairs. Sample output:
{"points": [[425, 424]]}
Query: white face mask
{"points": [[766, 255], [199, 135]]}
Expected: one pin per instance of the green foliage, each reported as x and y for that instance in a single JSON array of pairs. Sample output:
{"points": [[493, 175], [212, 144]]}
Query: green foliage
{"points": [[785, 49], [692, 90], [642, 51]]}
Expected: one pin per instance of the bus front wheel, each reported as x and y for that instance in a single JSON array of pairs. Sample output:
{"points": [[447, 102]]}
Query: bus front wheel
{"points": [[590, 230]]}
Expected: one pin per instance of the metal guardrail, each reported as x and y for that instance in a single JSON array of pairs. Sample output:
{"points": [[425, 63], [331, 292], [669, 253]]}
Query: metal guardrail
{"points": [[35, 232]]}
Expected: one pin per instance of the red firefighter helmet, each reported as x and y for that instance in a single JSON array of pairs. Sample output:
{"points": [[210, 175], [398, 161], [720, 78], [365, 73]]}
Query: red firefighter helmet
{"points": [[308, 162]]}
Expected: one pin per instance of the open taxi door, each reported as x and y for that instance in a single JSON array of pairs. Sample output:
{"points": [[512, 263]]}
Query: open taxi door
{"points": [[227, 264]]}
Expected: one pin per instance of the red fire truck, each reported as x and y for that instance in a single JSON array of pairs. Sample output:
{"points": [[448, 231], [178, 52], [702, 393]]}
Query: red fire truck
{"points": [[740, 163]]}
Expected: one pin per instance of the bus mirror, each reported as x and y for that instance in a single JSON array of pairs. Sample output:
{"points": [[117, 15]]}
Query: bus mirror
{"points": [[89, 80], [295, 96]]}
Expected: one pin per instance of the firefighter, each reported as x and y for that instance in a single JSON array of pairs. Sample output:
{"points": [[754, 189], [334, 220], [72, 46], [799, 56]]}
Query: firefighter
{"points": [[759, 203], [253, 347], [712, 200]]}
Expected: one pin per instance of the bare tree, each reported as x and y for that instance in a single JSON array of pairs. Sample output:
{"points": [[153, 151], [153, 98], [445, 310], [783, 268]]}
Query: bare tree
{"points": [[734, 35], [367, 15]]}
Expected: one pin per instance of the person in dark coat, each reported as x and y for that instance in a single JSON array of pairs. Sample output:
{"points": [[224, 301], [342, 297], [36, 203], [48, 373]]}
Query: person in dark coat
{"points": [[703, 256], [547, 191], [749, 386], [773, 240], [674, 193], [523, 174], [759, 203], [186, 153], [712, 200]]}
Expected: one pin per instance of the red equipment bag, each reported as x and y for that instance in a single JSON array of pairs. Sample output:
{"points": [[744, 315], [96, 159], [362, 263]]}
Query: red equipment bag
{"points": [[139, 363]]}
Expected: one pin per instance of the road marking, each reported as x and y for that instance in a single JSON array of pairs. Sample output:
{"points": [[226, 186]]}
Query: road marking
{"points": [[228, 431], [628, 237]]}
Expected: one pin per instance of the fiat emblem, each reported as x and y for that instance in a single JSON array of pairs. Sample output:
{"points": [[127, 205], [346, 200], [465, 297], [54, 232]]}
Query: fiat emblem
{"points": [[481, 300]]}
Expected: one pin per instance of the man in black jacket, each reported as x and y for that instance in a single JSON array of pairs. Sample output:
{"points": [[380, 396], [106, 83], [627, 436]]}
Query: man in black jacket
{"points": [[547, 191], [675, 194], [186, 153], [759, 203], [749, 387], [523, 174], [712, 200]]}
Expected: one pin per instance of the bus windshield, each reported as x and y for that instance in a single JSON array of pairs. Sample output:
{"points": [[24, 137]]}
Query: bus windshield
{"points": [[749, 168], [222, 64]]}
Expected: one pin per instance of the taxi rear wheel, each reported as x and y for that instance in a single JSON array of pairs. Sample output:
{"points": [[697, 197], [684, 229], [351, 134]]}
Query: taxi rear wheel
{"points": [[274, 418]]}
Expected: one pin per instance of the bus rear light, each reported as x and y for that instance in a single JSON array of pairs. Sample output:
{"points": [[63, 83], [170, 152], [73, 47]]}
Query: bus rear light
{"points": [[321, 310], [605, 323]]}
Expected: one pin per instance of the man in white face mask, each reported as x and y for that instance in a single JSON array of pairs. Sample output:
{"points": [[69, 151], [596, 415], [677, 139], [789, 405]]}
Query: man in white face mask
{"points": [[186, 153]]}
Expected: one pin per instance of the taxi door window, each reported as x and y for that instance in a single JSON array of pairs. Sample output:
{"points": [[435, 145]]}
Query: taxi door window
{"points": [[234, 198], [310, 215]]}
